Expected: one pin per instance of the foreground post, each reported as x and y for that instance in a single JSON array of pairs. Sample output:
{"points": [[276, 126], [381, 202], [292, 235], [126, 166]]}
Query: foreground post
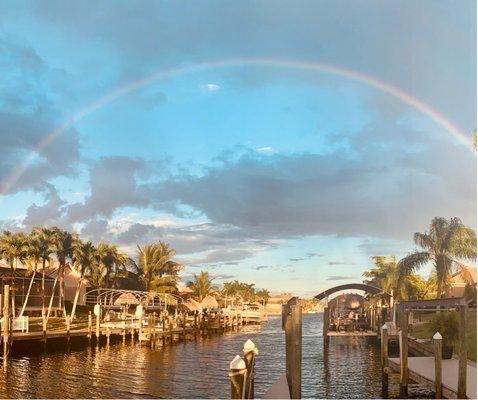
{"points": [[237, 375], [403, 340], [326, 323], [250, 351], [68, 329], [292, 324], [462, 353], [384, 352], [6, 324], [437, 346], [97, 312]]}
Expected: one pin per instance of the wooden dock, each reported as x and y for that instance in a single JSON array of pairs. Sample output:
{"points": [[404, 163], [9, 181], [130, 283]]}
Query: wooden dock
{"points": [[352, 333], [422, 371]]}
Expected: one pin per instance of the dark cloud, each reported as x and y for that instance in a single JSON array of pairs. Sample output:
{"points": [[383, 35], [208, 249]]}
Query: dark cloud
{"points": [[27, 116], [259, 267], [47, 214], [113, 184], [339, 278]]}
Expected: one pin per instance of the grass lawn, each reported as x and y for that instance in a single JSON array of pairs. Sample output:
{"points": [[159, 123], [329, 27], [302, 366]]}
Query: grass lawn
{"points": [[424, 331]]}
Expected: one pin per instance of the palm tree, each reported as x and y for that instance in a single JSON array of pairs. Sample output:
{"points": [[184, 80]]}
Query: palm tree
{"points": [[201, 285], [445, 244], [32, 259], [263, 295], [43, 239], [64, 243], [110, 259], [384, 274], [85, 257], [13, 248], [154, 260]]}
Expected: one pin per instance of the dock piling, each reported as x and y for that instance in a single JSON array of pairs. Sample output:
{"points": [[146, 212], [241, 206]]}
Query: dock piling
{"points": [[437, 346], [6, 324], [403, 343], [462, 362], [237, 375], [89, 326], [384, 348], [250, 351]]}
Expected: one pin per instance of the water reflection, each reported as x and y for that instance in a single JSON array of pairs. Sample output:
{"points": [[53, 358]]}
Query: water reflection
{"points": [[345, 368]]}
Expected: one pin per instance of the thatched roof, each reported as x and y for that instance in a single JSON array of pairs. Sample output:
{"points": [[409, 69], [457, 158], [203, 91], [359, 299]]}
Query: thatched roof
{"points": [[209, 302], [190, 305], [126, 298]]}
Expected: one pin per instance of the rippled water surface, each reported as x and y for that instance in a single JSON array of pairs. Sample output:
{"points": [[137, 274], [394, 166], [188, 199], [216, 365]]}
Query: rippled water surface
{"points": [[347, 368]]}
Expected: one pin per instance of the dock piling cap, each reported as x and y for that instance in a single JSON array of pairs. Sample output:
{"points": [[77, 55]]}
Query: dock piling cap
{"points": [[237, 363], [437, 336], [384, 326], [250, 346]]}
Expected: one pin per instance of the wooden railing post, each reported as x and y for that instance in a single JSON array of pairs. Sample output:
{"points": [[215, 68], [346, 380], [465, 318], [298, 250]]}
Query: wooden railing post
{"points": [[89, 325], [6, 324], [237, 375], [403, 339], [384, 353], [250, 351], [437, 346], [97, 312], [462, 362]]}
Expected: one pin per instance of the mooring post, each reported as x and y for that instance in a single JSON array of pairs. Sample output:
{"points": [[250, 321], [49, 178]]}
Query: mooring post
{"points": [[89, 326], [150, 330], [67, 329], [384, 352], [326, 323], [238, 375], [250, 351], [154, 329], [196, 328], [43, 320], [462, 362], [437, 346], [170, 330], [6, 324], [403, 343], [292, 325], [184, 326]]}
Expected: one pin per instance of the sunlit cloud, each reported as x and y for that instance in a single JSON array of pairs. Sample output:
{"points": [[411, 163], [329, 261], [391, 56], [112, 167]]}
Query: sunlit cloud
{"points": [[210, 87]]}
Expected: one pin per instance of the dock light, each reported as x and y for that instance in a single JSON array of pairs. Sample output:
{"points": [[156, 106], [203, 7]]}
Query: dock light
{"points": [[237, 363], [250, 346]]}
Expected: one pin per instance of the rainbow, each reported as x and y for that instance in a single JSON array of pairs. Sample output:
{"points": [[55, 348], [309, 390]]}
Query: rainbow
{"points": [[110, 97]]}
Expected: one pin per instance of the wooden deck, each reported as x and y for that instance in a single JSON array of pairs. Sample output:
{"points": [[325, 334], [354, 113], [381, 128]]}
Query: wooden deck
{"points": [[422, 371], [352, 333], [278, 390]]}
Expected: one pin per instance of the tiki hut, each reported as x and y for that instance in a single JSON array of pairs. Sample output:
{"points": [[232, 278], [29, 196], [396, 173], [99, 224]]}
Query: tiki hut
{"points": [[126, 298], [209, 302], [190, 305]]}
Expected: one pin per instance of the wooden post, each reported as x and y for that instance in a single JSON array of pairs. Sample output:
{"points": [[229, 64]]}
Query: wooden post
{"points": [[184, 326], [196, 328], [250, 352], [98, 316], [170, 330], [154, 329], [164, 330], [326, 323], [237, 375], [437, 346], [108, 336], [6, 324], [403, 339], [44, 322], [292, 324], [89, 326], [150, 330], [67, 329], [462, 362], [384, 352]]}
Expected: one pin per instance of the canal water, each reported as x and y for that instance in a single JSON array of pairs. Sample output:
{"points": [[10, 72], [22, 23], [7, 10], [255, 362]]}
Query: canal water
{"points": [[347, 368]]}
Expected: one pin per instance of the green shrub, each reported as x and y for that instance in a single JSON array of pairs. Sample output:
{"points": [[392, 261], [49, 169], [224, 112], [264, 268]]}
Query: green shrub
{"points": [[446, 323]]}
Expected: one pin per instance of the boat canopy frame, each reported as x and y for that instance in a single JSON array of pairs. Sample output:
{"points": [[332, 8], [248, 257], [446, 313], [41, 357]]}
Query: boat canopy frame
{"points": [[356, 286]]}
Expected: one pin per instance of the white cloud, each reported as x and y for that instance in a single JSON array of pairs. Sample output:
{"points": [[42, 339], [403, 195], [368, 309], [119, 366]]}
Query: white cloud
{"points": [[210, 87], [266, 150]]}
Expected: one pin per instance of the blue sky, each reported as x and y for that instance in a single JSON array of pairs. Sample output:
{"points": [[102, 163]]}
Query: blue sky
{"points": [[288, 178]]}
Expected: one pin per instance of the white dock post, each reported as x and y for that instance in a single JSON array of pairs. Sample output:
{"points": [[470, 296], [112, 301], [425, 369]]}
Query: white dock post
{"points": [[437, 346]]}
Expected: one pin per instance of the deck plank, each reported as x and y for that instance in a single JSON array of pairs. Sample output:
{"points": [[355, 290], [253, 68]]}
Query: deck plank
{"points": [[423, 369]]}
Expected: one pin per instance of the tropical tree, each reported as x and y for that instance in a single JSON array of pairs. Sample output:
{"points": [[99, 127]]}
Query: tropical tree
{"points": [[384, 274], [445, 244], [13, 248], [154, 261], [201, 285], [85, 256], [263, 295], [64, 243], [110, 260], [43, 239]]}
